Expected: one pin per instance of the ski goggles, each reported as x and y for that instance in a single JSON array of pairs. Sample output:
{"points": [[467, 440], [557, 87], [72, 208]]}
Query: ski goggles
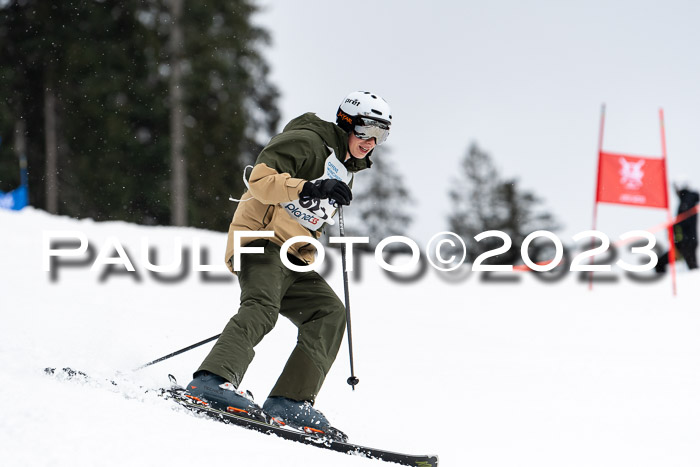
{"points": [[367, 128]]}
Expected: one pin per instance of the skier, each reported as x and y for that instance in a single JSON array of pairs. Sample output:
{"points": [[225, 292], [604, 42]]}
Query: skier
{"points": [[296, 183], [685, 233]]}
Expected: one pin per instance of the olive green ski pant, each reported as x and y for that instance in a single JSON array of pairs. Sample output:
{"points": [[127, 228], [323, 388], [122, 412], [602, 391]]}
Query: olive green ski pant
{"points": [[270, 289]]}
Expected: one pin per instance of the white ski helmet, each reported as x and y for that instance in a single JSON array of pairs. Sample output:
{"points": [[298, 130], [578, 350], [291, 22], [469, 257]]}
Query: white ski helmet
{"points": [[360, 105]]}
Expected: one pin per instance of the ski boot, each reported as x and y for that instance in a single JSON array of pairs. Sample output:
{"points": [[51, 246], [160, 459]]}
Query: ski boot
{"points": [[302, 416], [214, 391]]}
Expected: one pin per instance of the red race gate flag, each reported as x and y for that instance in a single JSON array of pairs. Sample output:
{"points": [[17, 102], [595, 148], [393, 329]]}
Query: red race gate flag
{"points": [[633, 180]]}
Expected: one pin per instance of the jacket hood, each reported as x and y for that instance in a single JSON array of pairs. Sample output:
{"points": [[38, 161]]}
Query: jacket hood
{"points": [[332, 135], [689, 199]]}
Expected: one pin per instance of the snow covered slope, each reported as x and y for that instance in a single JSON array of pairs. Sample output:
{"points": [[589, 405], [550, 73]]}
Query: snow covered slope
{"points": [[481, 373]]}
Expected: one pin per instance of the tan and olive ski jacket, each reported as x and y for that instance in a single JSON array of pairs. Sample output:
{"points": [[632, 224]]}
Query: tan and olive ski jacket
{"points": [[296, 155]]}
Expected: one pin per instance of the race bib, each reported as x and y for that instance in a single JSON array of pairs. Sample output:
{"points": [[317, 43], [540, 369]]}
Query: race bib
{"points": [[313, 213]]}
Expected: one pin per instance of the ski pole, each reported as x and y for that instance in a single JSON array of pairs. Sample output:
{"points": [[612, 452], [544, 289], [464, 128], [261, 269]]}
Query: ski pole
{"points": [[177, 352], [352, 380]]}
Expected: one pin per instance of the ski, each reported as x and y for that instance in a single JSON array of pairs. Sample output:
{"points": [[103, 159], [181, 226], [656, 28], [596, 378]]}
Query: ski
{"points": [[176, 393]]}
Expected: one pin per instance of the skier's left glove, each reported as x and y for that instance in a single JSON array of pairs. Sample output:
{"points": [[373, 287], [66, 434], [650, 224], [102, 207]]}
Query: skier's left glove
{"points": [[329, 188]]}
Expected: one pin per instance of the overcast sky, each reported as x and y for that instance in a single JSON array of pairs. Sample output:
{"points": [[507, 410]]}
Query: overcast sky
{"points": [[525, 80]]}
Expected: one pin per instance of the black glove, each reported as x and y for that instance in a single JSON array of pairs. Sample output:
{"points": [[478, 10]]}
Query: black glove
{"points": [[329, 188]]}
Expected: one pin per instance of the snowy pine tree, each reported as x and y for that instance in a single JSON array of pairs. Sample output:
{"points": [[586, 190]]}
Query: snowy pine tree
{"points": [[380, 200], [482, 202]]}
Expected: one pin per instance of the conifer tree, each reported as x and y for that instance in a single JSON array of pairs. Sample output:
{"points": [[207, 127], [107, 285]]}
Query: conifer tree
{"points": [[381, 201], [482, 201], [108, 64]]}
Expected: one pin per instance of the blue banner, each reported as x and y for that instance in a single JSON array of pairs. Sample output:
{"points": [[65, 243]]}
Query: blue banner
{"points": [[15, 199]]}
